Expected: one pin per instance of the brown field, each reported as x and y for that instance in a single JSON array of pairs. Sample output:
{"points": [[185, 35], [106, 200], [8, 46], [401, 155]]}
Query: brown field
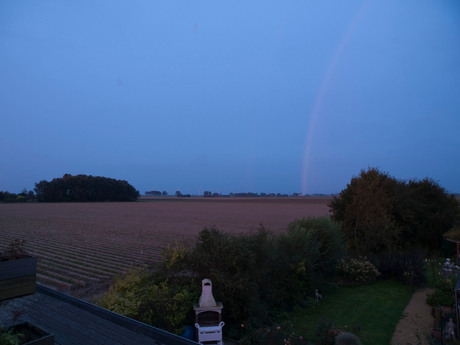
{"points": [[82, 245]]}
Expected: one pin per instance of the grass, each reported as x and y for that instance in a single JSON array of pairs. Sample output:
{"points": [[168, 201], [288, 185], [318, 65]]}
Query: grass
{"points": [[375, 308]]}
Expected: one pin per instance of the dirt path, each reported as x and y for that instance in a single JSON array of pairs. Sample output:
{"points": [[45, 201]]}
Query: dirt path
{"points": [[415, 324]]}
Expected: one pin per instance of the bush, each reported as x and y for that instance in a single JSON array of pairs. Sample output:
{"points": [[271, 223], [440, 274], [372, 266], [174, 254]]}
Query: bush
{"points": [[15, 250], [357, 270], [305, 259], [327, 332], [152, 299], [256, 276], [443, 295], [236, 265], [405, 267]]}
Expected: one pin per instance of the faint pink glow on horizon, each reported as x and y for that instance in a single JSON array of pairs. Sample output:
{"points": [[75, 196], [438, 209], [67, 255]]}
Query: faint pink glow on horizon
{"points": [[322, 90]]}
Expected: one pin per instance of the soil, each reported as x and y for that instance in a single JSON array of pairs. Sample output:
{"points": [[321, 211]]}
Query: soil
{"points": [[415, 325], [81, 246]]}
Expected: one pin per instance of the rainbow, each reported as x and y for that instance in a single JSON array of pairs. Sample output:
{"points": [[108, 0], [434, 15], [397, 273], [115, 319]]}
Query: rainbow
{"points": [[322, 91]]}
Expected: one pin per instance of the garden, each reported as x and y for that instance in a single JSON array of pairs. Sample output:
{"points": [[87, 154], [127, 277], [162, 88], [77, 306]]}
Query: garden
{"points": [[323, 281]]}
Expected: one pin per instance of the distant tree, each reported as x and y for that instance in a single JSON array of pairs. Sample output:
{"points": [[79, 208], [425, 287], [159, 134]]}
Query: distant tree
{"points": [[178, 193], [207, 194], [164, 193], [153, 193], [85, 188], [13, 198]]}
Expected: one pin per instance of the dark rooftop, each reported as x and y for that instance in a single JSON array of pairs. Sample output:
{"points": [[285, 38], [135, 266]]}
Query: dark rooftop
{"points": [[75, 322]]}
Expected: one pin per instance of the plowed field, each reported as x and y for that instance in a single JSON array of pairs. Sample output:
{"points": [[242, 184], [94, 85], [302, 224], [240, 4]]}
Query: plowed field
{"points": [[81, 245]]}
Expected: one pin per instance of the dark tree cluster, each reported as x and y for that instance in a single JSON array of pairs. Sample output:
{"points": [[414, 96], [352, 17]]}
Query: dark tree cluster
{"points": [[156, 193], [381, 214], [85, 188], [24, 196]]}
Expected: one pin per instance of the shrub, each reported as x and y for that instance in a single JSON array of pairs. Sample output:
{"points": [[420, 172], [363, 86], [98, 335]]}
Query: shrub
{"points": [[357, 270], [256, 276], [15, 250], [327, 332], [405, 267], [235, 264], [8, 337], [443, 295], [152, 299], [305, 259], [347, 339]]}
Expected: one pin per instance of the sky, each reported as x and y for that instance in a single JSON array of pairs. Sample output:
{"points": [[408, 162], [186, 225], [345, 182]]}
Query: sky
{"points": [[255, 96]]}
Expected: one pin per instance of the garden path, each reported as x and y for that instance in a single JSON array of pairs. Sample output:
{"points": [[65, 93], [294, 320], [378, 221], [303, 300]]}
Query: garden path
{"points": [[415, 324]]}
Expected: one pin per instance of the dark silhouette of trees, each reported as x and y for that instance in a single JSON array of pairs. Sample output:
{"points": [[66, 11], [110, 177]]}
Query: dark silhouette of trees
{"points": [[153, 193], [85, 188], [379, 213]]}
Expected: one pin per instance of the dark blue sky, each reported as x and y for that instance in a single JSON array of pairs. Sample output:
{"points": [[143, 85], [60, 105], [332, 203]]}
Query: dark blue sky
{"points": [[229, 96]]}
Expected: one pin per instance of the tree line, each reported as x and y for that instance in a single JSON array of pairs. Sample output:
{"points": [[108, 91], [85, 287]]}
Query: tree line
{"points": [[85, 188]]}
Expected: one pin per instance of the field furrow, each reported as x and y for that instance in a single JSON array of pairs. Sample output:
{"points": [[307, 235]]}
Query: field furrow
{"points": [[54, 266], [83, 244]]}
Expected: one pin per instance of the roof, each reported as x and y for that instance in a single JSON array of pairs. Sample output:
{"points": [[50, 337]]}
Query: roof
{"points": [[75, 322]]}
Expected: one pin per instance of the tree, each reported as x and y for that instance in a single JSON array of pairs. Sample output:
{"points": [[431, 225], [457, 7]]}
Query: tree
{"points": [[365, 210], [85, 188], [381, 214], [433, 212]]}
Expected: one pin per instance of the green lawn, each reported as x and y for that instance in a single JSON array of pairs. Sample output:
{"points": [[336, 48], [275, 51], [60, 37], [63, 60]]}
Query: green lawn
{"points": [[375, 307]]}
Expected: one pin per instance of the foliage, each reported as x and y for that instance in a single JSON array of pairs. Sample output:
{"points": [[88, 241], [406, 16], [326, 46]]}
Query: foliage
{"points": [[434, 212], [305, 259], [327, 332], [256, 276], [236, 265], [347, 338], [365, 211], [433, 273], [7, 197], [357, 270], [8, 337], [85, 188], [15, 250], [148, 297], [406, 267], [380, 214], [444, 294]]}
